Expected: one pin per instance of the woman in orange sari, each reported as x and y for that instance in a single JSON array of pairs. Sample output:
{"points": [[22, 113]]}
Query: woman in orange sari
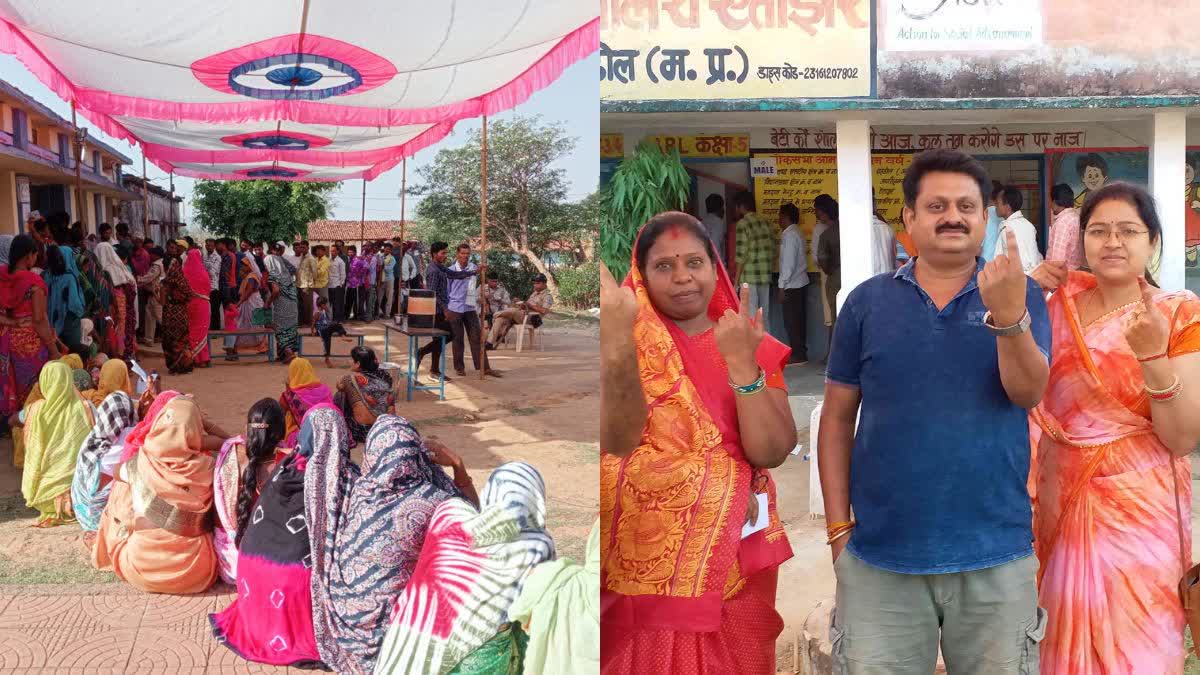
{"points": [[156, 531], [683, 589], [1113, 482]]}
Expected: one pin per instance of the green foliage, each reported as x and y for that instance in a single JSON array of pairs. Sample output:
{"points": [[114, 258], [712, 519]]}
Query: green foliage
{"points": [[579, 287], [527, 208], [260, 210], [643, 186], [514, 270]]}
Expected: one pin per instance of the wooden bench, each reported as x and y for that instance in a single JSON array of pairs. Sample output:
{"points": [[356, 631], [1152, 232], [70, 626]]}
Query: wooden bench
{"points": [[359, 337], [246, 332]]}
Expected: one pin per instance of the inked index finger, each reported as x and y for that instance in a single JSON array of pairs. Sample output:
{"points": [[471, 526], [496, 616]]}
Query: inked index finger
{"points": [[1014, 251], [744, 301], [606, 278]]}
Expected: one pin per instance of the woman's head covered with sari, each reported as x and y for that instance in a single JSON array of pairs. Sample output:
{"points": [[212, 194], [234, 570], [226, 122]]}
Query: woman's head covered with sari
{"points": [[301, 374], [54, 431], [491, 551], [137, 435], [111, 263], [377, 531], [74, 361], [676, 563], [195, 273], [114, 376], [88, 498]]}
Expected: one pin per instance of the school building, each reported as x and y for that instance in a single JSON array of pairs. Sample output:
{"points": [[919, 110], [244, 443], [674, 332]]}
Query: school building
{"points": [[1017, 85], [37, 171]]}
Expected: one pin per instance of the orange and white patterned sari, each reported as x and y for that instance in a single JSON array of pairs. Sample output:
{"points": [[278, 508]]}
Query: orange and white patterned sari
{"points": [[1105, 519], [681, 591]]}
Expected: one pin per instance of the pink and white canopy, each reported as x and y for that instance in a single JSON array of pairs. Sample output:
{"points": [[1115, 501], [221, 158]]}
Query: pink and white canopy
{"points": [[292, 89]]}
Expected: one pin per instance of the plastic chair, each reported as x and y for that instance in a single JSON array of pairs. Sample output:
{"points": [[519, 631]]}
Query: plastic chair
{"points": [[527, 329]]}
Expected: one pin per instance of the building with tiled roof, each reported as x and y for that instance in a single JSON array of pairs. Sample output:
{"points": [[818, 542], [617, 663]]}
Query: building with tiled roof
{"points": [[354, 231]]}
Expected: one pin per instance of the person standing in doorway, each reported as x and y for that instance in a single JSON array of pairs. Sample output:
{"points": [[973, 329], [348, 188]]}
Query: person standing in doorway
{"points": [[793, 281], [714, 222], [829, 257], [756, 254], [992, 234], [337, 283], [438, 278], [939, 547], [212, 265], [1010, 210], [1065, 239]]}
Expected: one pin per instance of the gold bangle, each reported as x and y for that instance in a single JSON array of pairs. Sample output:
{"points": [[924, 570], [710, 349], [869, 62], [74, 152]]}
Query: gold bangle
{"points": [[839, 535], [834, 527]]}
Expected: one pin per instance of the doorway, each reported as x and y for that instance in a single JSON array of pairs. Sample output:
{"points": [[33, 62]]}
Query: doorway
{"points": [[1027, 173]]}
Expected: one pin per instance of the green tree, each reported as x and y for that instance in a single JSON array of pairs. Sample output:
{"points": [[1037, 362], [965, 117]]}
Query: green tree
{"points": [[643, 186], [260, 210], [527, 208]]}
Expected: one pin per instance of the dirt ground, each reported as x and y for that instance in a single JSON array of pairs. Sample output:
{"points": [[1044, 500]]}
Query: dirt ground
{"points": [[543, 411]]}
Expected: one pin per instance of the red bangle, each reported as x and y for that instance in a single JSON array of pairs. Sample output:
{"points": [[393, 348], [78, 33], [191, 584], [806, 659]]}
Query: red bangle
{"points": [[1153, 358]]}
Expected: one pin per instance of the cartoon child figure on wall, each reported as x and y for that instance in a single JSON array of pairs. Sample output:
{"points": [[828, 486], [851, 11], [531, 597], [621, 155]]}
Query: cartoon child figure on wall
{"points": [[1191, 212], [1093, 172]]}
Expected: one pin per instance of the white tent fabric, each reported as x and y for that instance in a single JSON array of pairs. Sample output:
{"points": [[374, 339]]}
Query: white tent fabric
{"points": [[326, 77]]}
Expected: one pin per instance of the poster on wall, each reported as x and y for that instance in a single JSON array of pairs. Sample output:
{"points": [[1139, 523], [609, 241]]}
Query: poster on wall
{"points": [[956, 25], [1191, 213], [800, 177], [1087, 171], [734, 49]]}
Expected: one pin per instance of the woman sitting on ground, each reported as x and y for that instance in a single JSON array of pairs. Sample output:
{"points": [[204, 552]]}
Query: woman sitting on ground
{"points": [[243, 465], [161, 540], [368, 527], [54, 430], [559, 607], [271, 619], [364, 394], [474, 560], [16, 422], [114, 377], [302, 392], [100, 453]]}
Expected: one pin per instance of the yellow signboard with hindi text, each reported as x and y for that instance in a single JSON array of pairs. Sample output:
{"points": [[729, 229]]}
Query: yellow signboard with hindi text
{"points": [[800, 177], [735, 49], [705, 147]]}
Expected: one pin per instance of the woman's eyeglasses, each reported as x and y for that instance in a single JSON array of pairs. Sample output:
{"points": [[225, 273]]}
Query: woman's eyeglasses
{"points": [[1124, 233]]}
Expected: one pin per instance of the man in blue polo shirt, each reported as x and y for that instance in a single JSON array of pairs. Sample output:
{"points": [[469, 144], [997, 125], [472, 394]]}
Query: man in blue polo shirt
{"points": [[945, 357]]}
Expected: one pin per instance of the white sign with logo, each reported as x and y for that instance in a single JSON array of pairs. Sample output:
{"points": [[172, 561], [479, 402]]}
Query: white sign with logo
{"points": [[962, 25], [762, 167]]}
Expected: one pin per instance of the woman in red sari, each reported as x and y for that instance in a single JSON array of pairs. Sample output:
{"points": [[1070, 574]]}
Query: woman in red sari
{"points": [[27, 341], [1113, 482], [682, 590]]}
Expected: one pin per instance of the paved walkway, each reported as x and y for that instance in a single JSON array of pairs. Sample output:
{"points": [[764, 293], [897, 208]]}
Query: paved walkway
{"points": [[93, 630]]}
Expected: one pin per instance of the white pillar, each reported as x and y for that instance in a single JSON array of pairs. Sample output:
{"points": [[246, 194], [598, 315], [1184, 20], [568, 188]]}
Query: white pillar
{"points": [[854, 202], [1167, 158]]}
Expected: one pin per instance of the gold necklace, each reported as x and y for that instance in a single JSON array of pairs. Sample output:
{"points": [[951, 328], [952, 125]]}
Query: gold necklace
{"points": [[1093, 293]]}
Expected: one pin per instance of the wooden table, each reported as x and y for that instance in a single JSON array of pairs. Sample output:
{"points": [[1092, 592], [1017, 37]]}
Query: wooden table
{"points": [[415, 334]]}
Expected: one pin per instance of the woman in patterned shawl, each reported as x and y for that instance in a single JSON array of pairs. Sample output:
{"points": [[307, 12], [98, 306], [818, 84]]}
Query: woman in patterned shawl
{"points": [[284, 303], [93, 470], [371, 525], [473, 562], [271, 619], [365, 394]]}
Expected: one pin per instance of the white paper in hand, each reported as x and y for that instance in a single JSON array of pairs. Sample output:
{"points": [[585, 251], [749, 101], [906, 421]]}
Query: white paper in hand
{"points": [[143, 382], [761, 522]]}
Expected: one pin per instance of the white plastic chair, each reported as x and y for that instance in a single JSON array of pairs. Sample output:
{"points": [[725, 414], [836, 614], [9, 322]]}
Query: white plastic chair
{"points": [[534, 334]]}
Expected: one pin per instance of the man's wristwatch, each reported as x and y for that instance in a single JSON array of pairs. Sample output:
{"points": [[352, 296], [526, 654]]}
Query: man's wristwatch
{"points": [[1008, 331]]}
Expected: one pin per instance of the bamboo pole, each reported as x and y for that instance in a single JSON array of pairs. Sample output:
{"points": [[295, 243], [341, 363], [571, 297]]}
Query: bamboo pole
{"points": [[145, 201], [171, 203], [80, 211], [483, 248], [403, 190], [362, 219]]}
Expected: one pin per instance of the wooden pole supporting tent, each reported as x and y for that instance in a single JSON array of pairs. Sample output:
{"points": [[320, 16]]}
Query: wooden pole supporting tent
{"points": [[77, 143], [145, 201], [483, 249]]}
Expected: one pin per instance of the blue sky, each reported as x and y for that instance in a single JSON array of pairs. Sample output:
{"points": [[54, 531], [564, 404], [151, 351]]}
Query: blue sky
{"points": [[572, 99]]}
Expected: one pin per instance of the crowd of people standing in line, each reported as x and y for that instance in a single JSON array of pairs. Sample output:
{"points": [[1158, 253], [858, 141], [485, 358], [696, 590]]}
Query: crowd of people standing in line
{"points": [[1046, 529]]}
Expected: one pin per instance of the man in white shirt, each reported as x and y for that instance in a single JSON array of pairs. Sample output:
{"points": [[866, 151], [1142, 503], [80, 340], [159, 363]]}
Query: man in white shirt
{"points": [[337, 284], [714, 222], [410, 273], [212, 263], [1009, 208], [793, 280], [883, 246]]}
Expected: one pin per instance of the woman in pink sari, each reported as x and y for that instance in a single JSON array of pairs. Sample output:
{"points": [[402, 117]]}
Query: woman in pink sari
{"points": [[1113, 489], [198, 311], [303, 392]]}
